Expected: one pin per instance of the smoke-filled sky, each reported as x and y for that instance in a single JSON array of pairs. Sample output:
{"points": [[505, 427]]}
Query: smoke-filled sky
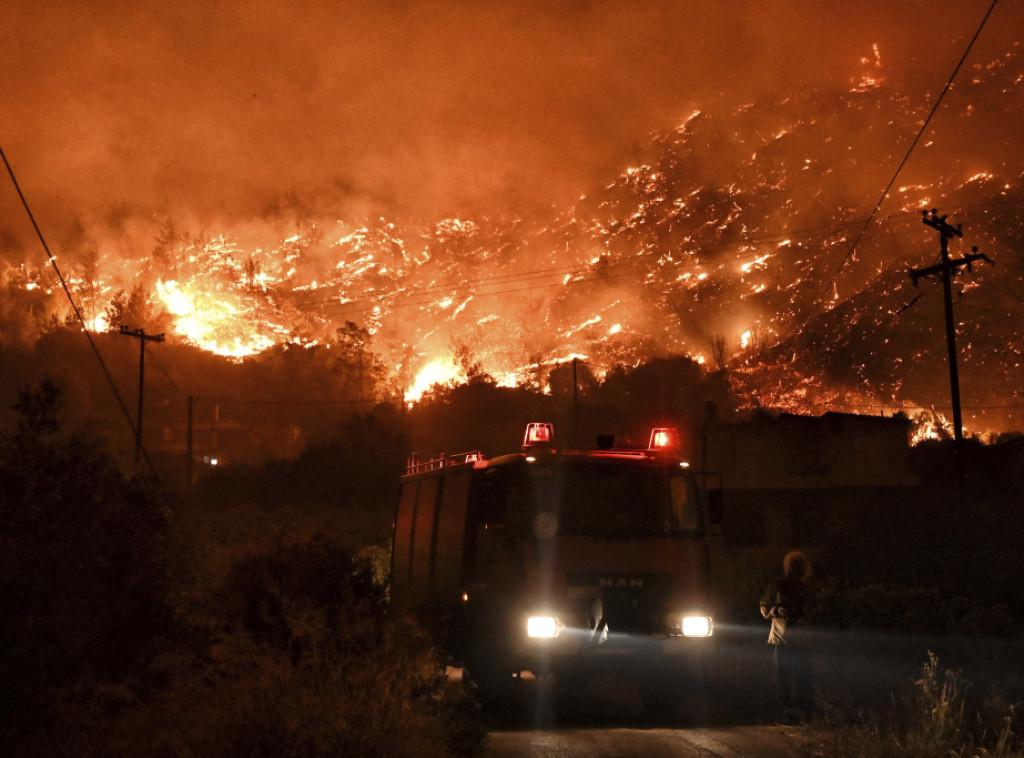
{"points": [[230, 110]]}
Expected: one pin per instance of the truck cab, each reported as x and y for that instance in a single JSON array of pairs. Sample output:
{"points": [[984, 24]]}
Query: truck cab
{"points": [[564, 562]]}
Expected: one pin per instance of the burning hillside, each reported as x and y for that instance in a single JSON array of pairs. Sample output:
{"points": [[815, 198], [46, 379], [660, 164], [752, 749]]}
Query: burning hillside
{"points": [[731, 240]]}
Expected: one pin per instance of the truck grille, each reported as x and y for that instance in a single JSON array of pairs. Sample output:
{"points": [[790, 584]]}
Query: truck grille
{"points": [[622, 603]]}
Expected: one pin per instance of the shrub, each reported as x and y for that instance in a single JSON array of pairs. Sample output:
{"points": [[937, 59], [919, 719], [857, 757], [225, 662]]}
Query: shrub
{"points": [[83, 572], [915, 610], [939, 716], [297, 655]]}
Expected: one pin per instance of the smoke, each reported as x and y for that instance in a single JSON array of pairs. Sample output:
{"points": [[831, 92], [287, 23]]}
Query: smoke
{"points": [[229, 111]]}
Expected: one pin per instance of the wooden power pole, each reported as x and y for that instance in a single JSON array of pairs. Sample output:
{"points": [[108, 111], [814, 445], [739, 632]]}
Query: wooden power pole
{"points": [[947, 268], [142, 337]]}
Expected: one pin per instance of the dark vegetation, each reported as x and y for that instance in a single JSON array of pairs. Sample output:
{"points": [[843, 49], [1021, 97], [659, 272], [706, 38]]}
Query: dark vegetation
{"points": [[938, 713], [139, 624], [249, 617], [946, 560], [86, 574]]}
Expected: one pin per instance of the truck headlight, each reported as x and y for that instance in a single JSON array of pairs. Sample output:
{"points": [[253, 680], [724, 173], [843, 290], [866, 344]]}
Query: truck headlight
{"points": [[543, 626], [696, 626]]}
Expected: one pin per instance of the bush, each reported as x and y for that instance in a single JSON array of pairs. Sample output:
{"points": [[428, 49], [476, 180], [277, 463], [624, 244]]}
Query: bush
{"points": [[321, 616], [345, 489], [293, 653], [296, 655], [939, 716], [914, 610], [83, 572]]}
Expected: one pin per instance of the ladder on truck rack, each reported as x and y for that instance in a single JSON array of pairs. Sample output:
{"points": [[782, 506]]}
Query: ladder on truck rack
{"points": [[413, 466]]}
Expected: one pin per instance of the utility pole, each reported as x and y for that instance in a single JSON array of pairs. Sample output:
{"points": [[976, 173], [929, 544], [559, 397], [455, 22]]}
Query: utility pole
{"points": [[142, 337], [190, 444], [947, 268], [575, 403]]}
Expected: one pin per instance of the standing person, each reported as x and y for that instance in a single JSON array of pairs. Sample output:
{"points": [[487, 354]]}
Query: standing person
{"points": [[789, 603]]}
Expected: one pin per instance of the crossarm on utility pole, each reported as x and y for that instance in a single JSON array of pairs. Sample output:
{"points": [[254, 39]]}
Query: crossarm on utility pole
{"points": [[948, 268]]}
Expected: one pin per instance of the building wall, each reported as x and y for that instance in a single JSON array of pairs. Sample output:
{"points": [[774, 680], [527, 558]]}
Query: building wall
{"points": [[803, 452], [796, 480]]}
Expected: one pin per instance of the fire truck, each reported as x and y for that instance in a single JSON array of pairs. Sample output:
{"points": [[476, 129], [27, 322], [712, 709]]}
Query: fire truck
{"points": [[571, 563]]}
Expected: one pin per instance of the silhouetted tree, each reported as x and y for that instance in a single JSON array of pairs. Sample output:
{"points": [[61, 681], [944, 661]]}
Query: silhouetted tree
{"points": [[82, 576], [348, 481], [137, 311], [560, 380], [463, 357]]}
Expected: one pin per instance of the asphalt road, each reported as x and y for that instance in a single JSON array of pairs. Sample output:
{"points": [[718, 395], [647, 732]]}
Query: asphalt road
{"points": [[608, 719], [792, 742], [736, 714]]}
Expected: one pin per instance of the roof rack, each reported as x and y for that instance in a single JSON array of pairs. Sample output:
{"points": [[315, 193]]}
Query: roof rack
{"points": [[622, 452], [412, 466]]}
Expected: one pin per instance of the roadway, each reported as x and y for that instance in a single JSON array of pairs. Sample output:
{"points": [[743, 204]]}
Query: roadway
{"points": [[736, 714]]}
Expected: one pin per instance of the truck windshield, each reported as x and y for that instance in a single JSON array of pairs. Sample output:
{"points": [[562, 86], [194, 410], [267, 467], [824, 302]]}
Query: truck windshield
{"points": [[597, 499]]}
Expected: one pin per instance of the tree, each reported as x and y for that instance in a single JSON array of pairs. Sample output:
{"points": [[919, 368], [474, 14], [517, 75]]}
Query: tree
{"points": [[137, 311], [561, 378], [353, 342], [83, 580], [463, 357]]}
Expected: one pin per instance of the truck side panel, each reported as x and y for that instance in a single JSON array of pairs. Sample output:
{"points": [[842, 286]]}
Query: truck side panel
{"points": [[401, 554], [421, 560], [451, 536]]}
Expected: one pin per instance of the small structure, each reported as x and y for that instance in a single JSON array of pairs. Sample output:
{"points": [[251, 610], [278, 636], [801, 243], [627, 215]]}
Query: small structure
{"points": [[789, 479]]}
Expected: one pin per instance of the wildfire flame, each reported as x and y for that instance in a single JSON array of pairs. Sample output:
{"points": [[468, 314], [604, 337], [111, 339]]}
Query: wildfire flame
{"points": [[438, 371], [211, 321], [670, 258]]}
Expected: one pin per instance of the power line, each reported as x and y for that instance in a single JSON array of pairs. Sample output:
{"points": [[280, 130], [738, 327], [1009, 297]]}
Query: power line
{"points": [[74, 307], [423, 296], [257, 401], [892, 181], [160, 367], [910, 406], [418, 297]]}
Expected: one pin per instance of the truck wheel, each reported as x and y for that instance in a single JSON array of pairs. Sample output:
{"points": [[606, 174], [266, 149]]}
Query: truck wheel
{"points": [[495, 684]]}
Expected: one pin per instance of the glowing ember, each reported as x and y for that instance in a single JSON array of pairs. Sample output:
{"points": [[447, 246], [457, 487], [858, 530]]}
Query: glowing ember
{"points": [[735, 227]]}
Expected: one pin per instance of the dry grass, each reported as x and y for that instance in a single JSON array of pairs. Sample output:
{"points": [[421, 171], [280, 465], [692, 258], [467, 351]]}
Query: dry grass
{"points": [[940, 716]]}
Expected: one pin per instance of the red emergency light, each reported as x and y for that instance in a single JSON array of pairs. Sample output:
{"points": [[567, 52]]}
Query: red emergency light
{"points": [[664, 438], [539, 433]]}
